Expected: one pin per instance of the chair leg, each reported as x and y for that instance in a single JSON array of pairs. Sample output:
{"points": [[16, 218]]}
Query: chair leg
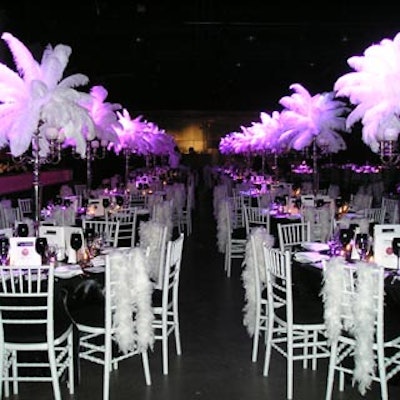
{"points": [[268, 346], [289, 361], [382, 373], [146, 368], [256, 336], [15, 371], [165, 348], [107, 365], [177, 334], [331, 371], [71, 373], [53, 372]]}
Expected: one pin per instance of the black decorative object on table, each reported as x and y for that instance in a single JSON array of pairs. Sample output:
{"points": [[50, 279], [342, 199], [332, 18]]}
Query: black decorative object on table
{"points": [[41, 248], [106, 202], [362, 244], [76, 242], [4, 247], [22, 230], [345, 237], [396, 250]]}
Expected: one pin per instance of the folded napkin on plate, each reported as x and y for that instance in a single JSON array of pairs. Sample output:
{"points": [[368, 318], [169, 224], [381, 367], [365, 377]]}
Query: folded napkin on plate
{"points": [[95, 269], [315, 246], [310, 257], [67, 271]]}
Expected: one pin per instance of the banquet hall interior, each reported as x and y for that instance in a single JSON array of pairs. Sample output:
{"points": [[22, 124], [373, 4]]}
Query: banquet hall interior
{"points": [[188, 117]]}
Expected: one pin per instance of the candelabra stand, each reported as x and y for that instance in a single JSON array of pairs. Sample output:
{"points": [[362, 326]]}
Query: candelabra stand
{"points": [[36, 160], [95, 150]]}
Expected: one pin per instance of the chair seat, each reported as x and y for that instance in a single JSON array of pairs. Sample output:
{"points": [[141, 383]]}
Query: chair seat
{"points": [[304, 312], [239, 233], [35, 334]]}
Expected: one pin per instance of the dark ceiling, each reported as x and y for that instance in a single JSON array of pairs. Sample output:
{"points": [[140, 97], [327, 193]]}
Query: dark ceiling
{"points": [[202, 54]]}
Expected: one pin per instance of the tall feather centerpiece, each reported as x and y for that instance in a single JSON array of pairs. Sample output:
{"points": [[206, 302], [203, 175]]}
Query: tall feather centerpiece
{"points": [[315, 121], [374, 89], [104, 116], [40, 111]]}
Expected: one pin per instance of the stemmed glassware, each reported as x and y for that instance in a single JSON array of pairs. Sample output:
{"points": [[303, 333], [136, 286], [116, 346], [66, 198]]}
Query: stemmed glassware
{"points": [[344, 237], [41, 248], [362, 244], [76, 242], [106, 202], [22, 230], [4, 247]]}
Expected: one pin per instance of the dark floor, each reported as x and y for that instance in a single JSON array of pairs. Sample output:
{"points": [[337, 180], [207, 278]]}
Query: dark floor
{"points": [[216, 360]]}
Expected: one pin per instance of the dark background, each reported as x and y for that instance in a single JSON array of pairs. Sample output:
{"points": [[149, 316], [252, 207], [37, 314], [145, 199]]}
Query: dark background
{"points": [[202, 54]]}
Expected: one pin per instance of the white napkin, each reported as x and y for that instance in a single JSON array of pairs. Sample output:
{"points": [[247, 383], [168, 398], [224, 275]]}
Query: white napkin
{"points": [[67, 271], [310, 257], [315, 246]]}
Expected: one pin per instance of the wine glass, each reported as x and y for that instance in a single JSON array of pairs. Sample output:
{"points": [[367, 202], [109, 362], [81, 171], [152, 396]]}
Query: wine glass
{"points": [[119, 200], [344, 237], [4, 246], [22, 230], [396, 249], [106, 202], [76, 242], [41, 247], [362, 244]]}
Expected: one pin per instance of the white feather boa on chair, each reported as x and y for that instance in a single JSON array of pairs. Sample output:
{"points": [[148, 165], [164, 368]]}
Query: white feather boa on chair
{"points": [[261, 237], [150, 238], [133, 297], [162, 213], [363, 312], [222, 224]]}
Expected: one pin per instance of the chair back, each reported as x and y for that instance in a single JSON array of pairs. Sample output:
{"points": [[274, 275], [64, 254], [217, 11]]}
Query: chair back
{"points": [[293, 234], [26, 300], [392, 210], [127, 218], [256, 216], [25, 207], [279, 281], [375, 214], [128, 292], [153, 239], [107, 230], [172, 269], [353, 298], [253, 275]]}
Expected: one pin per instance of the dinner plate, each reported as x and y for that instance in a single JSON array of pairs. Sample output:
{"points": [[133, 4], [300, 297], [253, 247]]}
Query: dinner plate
{"points": [[67, 271], [307, 257], [315, 246]]}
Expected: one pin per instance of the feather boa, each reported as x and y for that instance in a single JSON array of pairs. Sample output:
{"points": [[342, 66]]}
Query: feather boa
{"points": [[150, 238], [219, 193], [162, 213], [362, 312], [128, 268], [252, 261], [222, 219]]}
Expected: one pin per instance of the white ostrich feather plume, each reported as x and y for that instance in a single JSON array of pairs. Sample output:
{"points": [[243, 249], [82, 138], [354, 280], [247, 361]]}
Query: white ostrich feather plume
{"points": [[265, 134], [103, 114], [374, 89], [130, 134], [37, 94], [305, 118]]}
